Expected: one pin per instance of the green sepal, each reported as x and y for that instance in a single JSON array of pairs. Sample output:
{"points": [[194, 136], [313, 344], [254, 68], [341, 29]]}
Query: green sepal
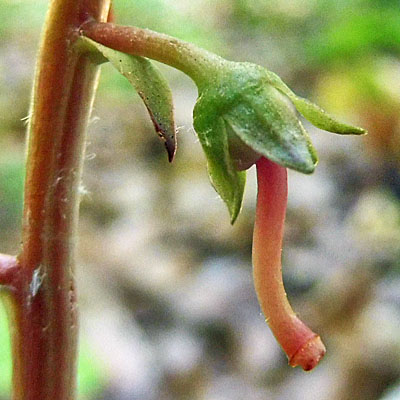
{"points": [[262, 117], [150, 84], [313, 113], [267, 122], [227, 181]]}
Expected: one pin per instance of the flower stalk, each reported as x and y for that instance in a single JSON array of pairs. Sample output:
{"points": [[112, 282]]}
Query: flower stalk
{"points": [[302, 346], [188, 58]]}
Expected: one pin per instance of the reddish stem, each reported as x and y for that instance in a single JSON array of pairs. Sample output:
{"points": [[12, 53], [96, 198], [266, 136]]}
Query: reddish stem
{"points": [[302, 346], [8, 271], [192, 60], [44, 308]]}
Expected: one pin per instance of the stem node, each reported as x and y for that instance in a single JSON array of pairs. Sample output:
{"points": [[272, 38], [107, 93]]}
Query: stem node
{"points": [[9, 267]]}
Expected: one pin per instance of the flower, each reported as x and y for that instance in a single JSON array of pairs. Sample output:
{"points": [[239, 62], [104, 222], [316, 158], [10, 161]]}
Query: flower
{"points": [[244, 115]]}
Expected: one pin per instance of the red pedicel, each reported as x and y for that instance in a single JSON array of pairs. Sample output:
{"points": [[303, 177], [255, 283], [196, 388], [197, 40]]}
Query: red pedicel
{"points": [[302, 346]]}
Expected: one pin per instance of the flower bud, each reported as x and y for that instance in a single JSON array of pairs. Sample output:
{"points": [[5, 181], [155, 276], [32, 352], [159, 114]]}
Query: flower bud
{"points": [[244, 112]]}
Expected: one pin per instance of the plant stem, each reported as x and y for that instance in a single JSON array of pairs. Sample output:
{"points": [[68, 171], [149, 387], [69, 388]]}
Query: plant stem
{"points": [[302, 346], [195, 62], [44, 312], [8, 271]]}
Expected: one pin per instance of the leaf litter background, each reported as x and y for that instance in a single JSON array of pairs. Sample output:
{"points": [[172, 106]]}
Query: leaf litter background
{"points": [[168, 309]]}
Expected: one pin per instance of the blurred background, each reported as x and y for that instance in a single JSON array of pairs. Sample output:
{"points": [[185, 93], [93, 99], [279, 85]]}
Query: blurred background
{"points": [[168, 309]]}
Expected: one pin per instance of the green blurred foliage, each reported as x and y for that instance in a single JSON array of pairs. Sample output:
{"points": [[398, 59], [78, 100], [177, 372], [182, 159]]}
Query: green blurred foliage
{"points": [[12, 171], [328, 31], [91, 378], [357, 32], [21, 16], [5, 355], [171, 18]]}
